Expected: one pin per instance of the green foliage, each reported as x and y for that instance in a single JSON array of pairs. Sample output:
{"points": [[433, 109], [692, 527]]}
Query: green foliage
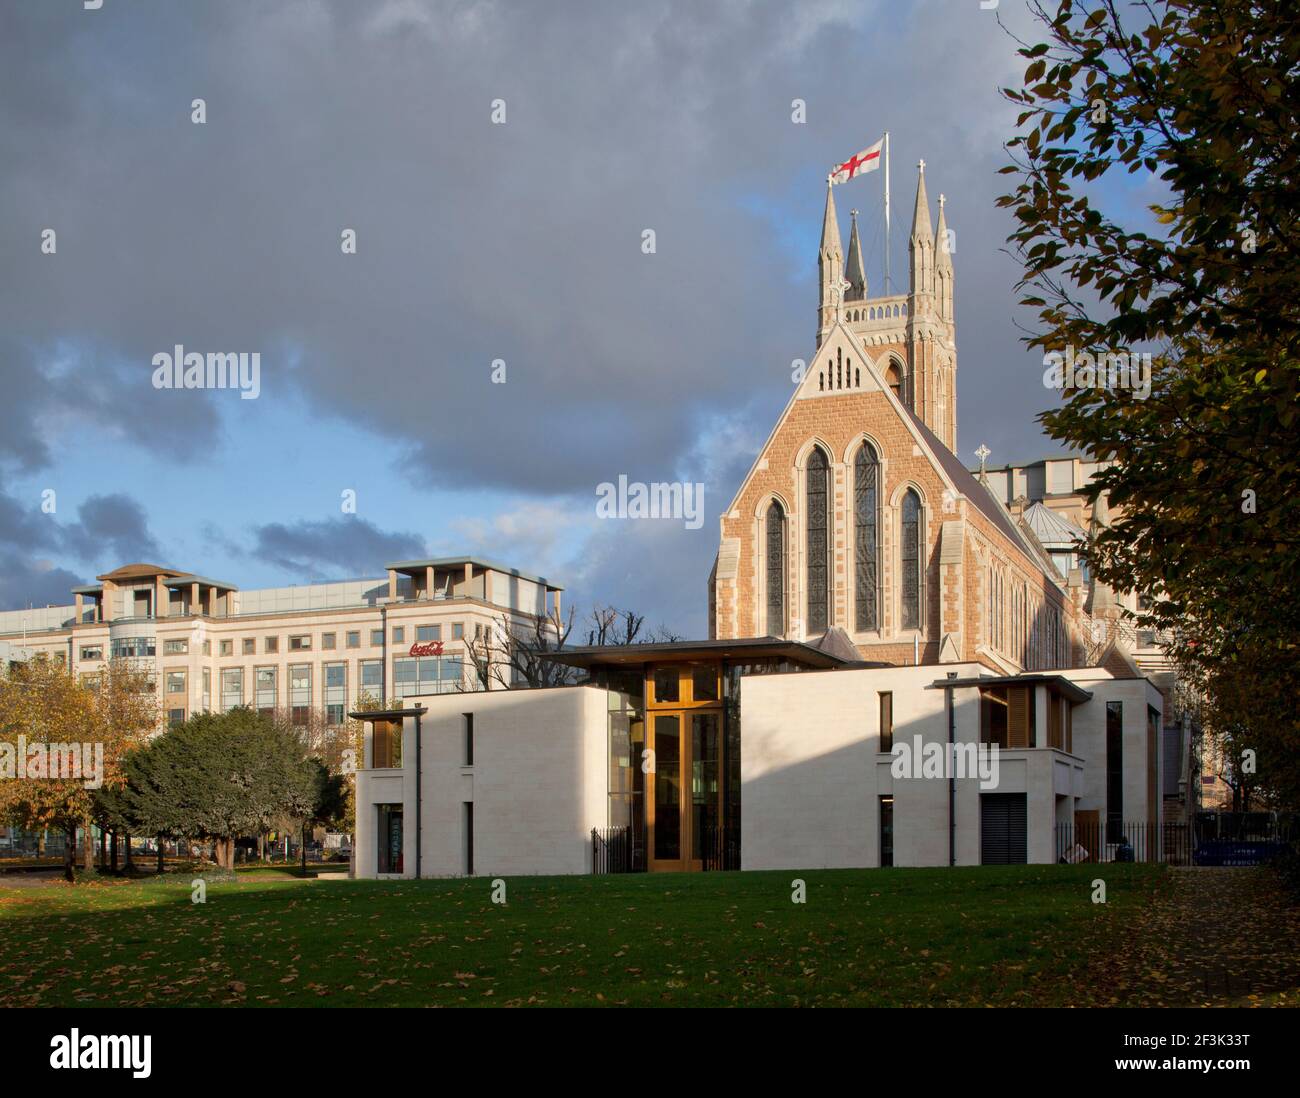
{"points": [[1197, 100], [218, 775]]}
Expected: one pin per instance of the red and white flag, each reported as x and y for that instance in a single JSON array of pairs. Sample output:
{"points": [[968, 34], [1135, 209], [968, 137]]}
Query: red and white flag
{"points": [[868, 160]]}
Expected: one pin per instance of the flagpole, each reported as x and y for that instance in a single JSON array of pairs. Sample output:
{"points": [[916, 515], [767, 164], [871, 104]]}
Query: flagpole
{"points": [[886, 212]]}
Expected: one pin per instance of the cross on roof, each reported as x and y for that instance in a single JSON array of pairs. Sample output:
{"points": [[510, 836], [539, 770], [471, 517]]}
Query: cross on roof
{"points": [[982, 453], [921, 165]]}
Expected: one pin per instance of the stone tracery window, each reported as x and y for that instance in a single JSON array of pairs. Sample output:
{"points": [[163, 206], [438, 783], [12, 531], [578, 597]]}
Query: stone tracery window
{"points": [[818, 529], [866, 495], [910, 557], [775, 565]]}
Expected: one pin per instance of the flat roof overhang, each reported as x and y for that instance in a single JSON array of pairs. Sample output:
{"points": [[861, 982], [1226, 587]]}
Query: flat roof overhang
{"points": [[745, 648], [1075, 694], [387, 714], [407, 567]]}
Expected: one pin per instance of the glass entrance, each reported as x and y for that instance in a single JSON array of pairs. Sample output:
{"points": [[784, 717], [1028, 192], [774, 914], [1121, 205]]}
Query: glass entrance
{"points": [[684, 814]]}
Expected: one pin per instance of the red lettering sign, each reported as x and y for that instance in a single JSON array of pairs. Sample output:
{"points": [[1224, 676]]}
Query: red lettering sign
{"points": [[432, 648]]}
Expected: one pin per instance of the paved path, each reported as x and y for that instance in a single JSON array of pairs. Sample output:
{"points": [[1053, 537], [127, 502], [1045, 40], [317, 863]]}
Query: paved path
{"points": [[1213, 937]]}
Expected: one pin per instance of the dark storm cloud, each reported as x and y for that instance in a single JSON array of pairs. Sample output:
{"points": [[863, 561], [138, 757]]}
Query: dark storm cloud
{"points": [[112, 527], [477, 242], [108, 530], [346, 547]]}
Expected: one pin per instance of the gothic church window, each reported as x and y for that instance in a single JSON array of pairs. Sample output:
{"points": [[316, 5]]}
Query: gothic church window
{"points": [[818, 541], [775, 570], [866, 488], [911, 561]]}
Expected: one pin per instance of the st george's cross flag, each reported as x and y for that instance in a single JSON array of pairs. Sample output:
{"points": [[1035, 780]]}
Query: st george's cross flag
{"points": [[868, 160]]}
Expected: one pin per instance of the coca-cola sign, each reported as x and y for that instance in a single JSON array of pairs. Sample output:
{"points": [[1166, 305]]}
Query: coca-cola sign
{"points": [[431, 648]]}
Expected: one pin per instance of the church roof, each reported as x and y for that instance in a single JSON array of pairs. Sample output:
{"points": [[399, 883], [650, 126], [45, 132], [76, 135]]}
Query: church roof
{"points": [[1051, 527], [979, 495]]}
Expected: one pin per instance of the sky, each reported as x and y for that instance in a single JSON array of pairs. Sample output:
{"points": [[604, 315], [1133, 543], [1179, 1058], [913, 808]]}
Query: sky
{"points": [[499, 164]]}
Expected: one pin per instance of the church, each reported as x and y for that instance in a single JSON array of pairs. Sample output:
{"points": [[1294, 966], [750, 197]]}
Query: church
{"points": [[857, 516], [872, 602]]}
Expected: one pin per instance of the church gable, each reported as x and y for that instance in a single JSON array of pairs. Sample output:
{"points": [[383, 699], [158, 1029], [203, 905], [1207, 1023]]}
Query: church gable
{"points": [[838, 367]]}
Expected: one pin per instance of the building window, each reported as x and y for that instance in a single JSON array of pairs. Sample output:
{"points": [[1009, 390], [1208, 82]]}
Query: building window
{"points": [[264, 682], [328, 642], [776, 570], [132, 648], [372, 678], [250, 646], [232, 688], [886, 721], [818, 541], [458, 631], [176, 648], [1114, 771], [389, 852], [911, 560], [92, 653], [300, 693], [175, 717], [354, 638], [414, 677], [207, 648], [399, 634], [176, 682], [271, 644], [866, 478], [300, 643], [386, 745], [467, 817], [336, 692], [469, 739], [426, 634], [226, 648], [376, 638], [886, 831]]}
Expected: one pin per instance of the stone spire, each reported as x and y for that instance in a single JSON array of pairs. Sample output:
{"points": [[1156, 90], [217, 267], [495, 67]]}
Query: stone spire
{"points": [[921, 246], [854, 272], [942, 258], [830, 230], [830, 267], [921, 212]]}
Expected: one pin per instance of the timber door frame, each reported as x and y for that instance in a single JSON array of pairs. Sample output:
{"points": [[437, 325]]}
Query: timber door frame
{"points": [[680, 683]]}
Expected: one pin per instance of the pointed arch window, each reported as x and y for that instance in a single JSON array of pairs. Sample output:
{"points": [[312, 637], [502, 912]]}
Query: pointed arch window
{"points": [[818, 541], [775, 565], [911, 560], [866, 497]]}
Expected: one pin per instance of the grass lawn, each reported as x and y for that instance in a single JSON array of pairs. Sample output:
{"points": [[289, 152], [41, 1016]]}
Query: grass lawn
{"points": [[999, 935]]}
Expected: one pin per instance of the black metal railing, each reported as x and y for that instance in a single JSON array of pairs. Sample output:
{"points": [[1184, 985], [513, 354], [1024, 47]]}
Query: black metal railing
{"points": [[1219, 838], [612, 850], [720, 847], [1112, 841]]}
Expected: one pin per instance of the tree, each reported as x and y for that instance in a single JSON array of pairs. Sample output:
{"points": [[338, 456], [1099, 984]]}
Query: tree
{"points": [[72, 737], [516, 654], [217, 776], [1199, 100]]}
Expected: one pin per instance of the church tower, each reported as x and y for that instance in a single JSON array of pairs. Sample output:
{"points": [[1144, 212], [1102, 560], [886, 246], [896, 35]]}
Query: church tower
{"points": [[911, 336]]}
